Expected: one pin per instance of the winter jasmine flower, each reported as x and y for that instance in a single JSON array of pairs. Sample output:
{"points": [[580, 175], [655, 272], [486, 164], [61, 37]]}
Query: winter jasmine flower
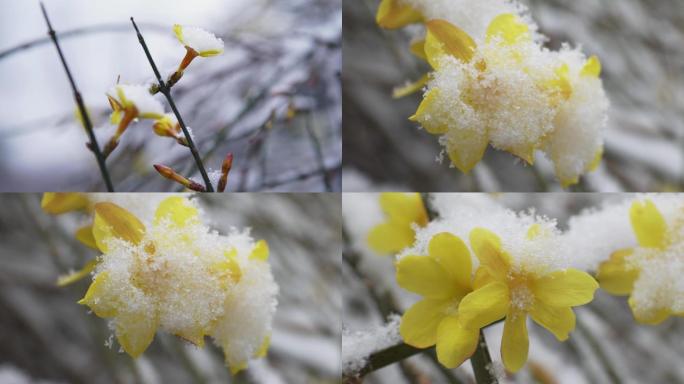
{"points": [[172, 273], [443, 278], [197, 42], [649, 273], [130, 102], [204, 43], [403, 211], [494, 84], [513, 286]]}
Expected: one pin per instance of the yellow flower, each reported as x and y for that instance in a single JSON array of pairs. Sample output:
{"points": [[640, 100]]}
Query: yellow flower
{"points": [[443, 278], [198, 43], [403, 210], [130, 102], [515, 291], [134, 309], [172, 273], [659, 247]]}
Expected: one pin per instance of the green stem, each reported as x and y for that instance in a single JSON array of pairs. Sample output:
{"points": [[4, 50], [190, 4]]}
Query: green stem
{"points": [[482, 363], [167, 93], [93, 145]]}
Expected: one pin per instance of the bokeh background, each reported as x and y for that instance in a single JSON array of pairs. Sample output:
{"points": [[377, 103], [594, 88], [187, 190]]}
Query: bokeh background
{"points": [[46, 337], [277, 53], [607, 346], [640, 44]]}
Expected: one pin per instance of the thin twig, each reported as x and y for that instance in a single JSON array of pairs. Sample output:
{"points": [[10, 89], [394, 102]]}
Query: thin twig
{"points": [[482, 363], [300, 177], [167, 93], [93, 145], [316, 144]]}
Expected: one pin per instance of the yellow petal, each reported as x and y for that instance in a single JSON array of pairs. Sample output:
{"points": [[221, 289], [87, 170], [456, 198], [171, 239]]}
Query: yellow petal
{"points": [[444, 38], [237, 368], [470, 149], [419, 324], [410, 88], [484, 306], [194, 335], [77, 275], [567, 288], [418, 49], [652, 317], [394, 14], [228, 269], [560, 84], [260, 251], [455, 344], [404, 207], [487, 247], [482, 278], [112, 221], [56, 203], [85, 236], [390, 238], [263, 348], [596, 161], [515, 343], [178, 211], [135, 331], [648, 224], [100, 298], [509, 28], [558, 320], [616, 275], [425, 276], [210, 53], [452, 253], [424, 114], [178, 31], [592, 68]]}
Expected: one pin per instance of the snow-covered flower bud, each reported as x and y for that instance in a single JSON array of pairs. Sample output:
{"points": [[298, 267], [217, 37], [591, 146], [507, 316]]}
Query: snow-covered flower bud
{"points": [[168, 126], [204, 43]]}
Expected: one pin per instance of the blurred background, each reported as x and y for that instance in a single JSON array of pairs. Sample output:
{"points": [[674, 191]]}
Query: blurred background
{"points": [[640, 44], [278, 54], [607, 346], [45, 337]]}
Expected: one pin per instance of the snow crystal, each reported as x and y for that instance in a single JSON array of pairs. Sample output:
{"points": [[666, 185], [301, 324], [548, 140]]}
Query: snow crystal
{"points": [[201, 40], [477, 17], [358, 345], [543, 253]]}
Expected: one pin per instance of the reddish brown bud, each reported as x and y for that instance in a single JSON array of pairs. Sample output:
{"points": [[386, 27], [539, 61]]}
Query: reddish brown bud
{"points": [[170, 174], [225, 169]]}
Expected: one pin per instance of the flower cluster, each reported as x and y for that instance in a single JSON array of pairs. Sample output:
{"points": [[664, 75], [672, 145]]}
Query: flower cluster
{"points": [[520, 273], [168, 271], [493, 83], [478, 263], [132, 102]]}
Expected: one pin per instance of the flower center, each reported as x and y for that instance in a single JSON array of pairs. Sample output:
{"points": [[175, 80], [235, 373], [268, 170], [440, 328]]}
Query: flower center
{"points": [[522, 297]]}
